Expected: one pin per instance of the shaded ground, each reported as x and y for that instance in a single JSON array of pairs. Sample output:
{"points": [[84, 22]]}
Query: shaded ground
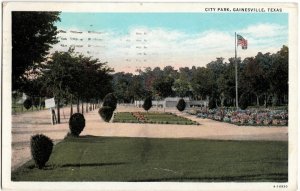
{"points": [[27, 124]]}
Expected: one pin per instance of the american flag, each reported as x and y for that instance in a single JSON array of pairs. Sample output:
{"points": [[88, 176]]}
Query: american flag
{"points": [[241, 41]]}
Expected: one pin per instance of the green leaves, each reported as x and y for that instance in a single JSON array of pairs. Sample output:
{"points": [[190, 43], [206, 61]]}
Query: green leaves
{"points": [[76, 124], [147, 103], [41, 149], [31, 41]]}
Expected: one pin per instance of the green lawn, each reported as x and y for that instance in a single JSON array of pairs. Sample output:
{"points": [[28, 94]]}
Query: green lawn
{"points": [[19, 108], [89, 158], [124, 117], [152, 117]]}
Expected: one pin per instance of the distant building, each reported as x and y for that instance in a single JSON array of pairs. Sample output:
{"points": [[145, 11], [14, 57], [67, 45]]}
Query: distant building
{"points": [[172, 102]]}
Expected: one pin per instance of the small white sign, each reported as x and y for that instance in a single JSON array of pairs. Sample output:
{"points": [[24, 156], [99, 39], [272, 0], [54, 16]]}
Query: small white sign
{"points": [[24, 97], [49, 103]]}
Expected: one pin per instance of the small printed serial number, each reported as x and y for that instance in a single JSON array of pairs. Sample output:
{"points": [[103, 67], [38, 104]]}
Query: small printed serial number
{"points": [[280, 186]]}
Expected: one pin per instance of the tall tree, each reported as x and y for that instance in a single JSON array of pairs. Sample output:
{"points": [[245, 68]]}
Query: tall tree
{"points": [[202, 82], [57, 74], [32, 36], [278, 75], [163, 87]]}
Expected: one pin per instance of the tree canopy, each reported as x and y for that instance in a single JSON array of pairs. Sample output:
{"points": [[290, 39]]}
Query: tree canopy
{"points": [[33, 33], [263, 80]]}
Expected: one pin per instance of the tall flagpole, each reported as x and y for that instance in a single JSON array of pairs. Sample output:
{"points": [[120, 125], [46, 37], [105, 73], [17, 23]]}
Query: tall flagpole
{"points": [[236, 76]]}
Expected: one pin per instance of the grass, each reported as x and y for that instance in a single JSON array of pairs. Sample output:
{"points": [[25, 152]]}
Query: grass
{"points": [[152, 117], [124, 117], [89, 158], [19, 108]]}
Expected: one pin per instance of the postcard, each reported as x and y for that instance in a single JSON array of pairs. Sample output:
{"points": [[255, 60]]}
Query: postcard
{"points": [[149, 96]]}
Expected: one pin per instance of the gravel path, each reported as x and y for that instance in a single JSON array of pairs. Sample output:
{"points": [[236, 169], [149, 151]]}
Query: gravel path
{"points": [[31, 123]]}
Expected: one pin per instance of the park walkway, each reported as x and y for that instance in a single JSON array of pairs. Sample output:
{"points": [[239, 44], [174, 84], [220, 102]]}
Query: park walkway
{"points": [[31, 123]]}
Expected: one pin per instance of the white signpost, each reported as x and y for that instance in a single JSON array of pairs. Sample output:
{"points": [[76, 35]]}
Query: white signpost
{"points": [[50, 103]]}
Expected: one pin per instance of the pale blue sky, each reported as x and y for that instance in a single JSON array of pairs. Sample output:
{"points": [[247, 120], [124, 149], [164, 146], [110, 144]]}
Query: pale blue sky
{"points": [[177, 39], [187, 22]]}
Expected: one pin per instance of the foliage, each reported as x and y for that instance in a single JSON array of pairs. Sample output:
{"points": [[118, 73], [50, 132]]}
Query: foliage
{"points": [[111, 101], [181, 105], [244, 102], [264, 77], [41, 149], [128, 87], [106, 112], [212, 103], [36, 102], [163, 87], [147, 103], [27, 103], [95, 78], [76, 124], [31, 41], [181, 87], [65, 68]]}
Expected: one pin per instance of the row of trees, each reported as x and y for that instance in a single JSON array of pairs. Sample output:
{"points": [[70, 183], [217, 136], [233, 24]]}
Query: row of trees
{"points": [[71, 78], [63, 75], [263, 80]]}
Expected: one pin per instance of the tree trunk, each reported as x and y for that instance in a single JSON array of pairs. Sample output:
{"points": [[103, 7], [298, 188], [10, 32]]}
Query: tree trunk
{"points": [[40, 103], [78, 111], [222, 101], [58, 110], [265, 104], [87, 107], [257, 100], [71, 109], [82, 108]]}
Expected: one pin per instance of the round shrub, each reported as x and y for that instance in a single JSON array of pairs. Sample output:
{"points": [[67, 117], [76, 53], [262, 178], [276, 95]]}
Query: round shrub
{"points": [[27, 104], [110, 100], [41, 149], [147, 103], [181, 105], [76, 124], [106, 113]]}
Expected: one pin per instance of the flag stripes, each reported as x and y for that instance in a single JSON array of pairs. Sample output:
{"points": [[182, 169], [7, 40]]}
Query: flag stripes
{"points": [[241, 41]]}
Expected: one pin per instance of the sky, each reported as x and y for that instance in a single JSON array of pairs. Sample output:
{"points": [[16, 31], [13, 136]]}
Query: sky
{"points": [[130, 41]]}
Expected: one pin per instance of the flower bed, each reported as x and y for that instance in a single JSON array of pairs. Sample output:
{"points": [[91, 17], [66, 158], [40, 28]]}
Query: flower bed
{"points": [[252, 117], [140, 117], [151, 117]]}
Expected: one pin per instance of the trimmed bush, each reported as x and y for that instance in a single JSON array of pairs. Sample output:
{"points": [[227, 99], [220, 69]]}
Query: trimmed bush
{"points": [[41, 149], [76, 124], [147, 103], [106, 113], [181, 105], [110, 100], [27, 104]]}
